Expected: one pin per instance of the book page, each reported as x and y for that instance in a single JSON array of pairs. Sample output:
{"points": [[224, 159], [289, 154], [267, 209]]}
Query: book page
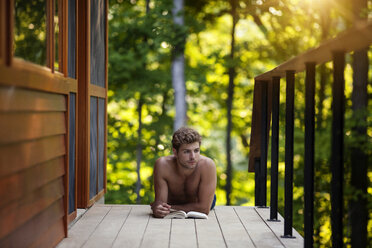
{"points": [[176, 215], [196, 215]]}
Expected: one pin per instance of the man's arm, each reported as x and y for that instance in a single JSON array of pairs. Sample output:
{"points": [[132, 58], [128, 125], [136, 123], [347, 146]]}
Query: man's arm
{"points": [[160, 207], [207, 187]]}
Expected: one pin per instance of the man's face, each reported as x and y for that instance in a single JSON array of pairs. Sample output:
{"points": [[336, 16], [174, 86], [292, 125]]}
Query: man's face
{"points": [[188, 155]]}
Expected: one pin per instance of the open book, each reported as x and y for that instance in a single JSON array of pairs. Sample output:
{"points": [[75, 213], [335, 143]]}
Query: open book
{"points": [[179, 214]]}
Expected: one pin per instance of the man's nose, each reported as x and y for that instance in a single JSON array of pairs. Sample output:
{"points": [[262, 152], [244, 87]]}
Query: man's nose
{"points": [[192, 155]]}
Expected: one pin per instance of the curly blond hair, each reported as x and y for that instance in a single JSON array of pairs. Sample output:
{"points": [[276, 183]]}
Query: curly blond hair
{"points": [[185, 135]]}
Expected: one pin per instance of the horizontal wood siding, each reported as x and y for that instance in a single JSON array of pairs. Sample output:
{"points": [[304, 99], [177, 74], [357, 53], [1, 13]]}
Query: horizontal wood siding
{"points": [[18, 212], [32, 167], [27, 100], [33, 231], [19, 184], [39, 125], [51, 237], [28, 153]]}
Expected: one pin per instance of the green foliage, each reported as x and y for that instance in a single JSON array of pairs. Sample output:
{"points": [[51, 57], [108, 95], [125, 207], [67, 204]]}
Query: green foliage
{"points": [[268, 33], [139, 65]]}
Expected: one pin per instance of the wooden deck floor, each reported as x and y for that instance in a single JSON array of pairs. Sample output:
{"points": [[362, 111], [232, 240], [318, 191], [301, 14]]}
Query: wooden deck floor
{"points": [[133, 226]]}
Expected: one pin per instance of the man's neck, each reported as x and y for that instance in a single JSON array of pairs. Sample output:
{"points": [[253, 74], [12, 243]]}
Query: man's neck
{"points": [[184, 172]]}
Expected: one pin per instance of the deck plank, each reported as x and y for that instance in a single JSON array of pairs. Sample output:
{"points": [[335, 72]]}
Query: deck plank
{"points": [[132, 231], [233, 230], [81, 231], [278, 229], [157, 233], [209, 233], [183, 233], [260, 233], [133, 226], [105, 233]]}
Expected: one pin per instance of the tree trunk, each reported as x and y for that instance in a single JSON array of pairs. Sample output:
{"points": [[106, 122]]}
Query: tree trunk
{"points": [[359, 152], [139, 149], [139, 131], [229, 103], [178, 74]]}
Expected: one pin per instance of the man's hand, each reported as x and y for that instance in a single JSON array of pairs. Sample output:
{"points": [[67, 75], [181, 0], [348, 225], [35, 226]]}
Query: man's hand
{"points": [[160, 209]]}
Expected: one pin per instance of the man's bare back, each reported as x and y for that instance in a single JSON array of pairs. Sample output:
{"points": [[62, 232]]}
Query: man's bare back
{"points": [[184, 181]]}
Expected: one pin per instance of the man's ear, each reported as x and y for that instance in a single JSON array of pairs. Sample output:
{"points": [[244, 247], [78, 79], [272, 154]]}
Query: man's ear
{"points": [[174, 151]]}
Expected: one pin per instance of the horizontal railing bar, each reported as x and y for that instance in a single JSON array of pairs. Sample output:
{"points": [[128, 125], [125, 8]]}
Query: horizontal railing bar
{"points": [[357, 37]]}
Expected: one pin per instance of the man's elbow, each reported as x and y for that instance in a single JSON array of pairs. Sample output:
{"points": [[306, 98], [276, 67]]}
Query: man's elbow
{"points": [[204, 209]]}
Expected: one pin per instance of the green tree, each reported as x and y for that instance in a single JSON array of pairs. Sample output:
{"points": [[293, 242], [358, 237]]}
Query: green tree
{"points": [[139, 86], [268, 33]]}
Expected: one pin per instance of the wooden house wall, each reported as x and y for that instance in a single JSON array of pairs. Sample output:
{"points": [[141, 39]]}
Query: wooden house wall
{"points": [[43, 166], [33, 154]]}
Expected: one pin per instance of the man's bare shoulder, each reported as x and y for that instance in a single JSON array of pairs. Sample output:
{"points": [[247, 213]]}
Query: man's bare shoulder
{"points": [[166, 160], [206, 162], [164, 163]]}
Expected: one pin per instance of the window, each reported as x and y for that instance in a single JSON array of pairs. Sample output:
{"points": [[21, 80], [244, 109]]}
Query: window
{"points": [[30, 37]]}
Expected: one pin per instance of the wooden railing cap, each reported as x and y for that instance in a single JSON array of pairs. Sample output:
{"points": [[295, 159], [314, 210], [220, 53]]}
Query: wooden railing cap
{"points": [[356, 38]]}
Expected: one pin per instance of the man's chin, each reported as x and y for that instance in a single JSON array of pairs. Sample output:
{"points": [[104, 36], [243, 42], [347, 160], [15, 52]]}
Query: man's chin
{"points": [[189, 166]]}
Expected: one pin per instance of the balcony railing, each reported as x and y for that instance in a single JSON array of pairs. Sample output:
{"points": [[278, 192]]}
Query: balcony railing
{"points": [[266, 101]]}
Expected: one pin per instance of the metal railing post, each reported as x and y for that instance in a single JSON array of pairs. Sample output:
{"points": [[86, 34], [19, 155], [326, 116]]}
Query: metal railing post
{"points": [[288, 178], [264, 136], [257, 189], [309, 154], [337, 150], [274, 150]]}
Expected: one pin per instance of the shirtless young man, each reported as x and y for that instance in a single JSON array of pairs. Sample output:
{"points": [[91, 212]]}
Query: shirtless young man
{"points": [[185, 180]]}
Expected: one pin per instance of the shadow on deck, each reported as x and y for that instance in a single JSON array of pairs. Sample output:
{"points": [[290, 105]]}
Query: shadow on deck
{"points": [[133, 226]]}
